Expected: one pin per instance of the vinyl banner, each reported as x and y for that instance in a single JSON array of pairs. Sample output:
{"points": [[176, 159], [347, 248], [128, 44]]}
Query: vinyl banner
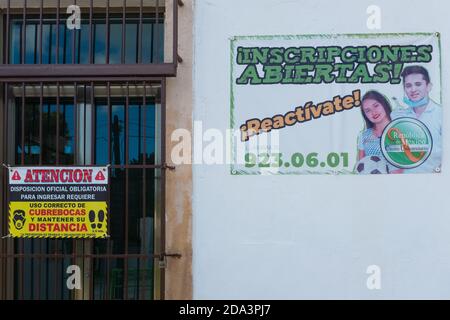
{"points": [[58, 202], [336, 104]]}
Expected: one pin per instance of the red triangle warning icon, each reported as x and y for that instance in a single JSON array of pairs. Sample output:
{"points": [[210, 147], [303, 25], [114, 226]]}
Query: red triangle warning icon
{"points": [[15, 176], [100, 176]]}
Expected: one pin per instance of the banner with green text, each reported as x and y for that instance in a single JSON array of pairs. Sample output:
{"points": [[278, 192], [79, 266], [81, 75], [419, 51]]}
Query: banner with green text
{"points": [[336, 104]]}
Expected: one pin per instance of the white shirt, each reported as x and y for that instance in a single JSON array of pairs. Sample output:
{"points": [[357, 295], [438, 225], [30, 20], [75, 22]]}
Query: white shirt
{"points": [[432, 118]]}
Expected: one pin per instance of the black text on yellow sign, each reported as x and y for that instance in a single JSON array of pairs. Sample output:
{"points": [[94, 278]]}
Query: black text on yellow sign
{"points": [[58, 219]]}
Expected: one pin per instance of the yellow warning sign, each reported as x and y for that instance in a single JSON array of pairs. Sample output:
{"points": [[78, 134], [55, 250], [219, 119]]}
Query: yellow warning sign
{"points": [[58, 202], [58, 219]]}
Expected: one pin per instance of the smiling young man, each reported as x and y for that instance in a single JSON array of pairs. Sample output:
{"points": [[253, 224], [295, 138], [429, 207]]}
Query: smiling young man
{"points": [[418, 105]]}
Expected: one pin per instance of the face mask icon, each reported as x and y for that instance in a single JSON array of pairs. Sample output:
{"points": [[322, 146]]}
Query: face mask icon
{"points": [[19, 219]]}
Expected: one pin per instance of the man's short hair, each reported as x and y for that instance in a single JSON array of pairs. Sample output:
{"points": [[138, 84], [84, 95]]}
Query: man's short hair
{"points": [[416, 70]]}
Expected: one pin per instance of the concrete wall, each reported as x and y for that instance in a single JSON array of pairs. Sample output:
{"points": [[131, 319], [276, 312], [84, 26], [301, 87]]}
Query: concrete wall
{"points": [[179, 182], [275, 236]]}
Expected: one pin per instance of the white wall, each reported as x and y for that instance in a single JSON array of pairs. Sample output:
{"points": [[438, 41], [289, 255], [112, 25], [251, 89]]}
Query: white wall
{"points": [[295, 237]]}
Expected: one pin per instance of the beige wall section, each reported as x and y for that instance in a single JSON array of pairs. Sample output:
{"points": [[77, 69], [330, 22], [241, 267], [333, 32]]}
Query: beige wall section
{"points": [[179, 182]]}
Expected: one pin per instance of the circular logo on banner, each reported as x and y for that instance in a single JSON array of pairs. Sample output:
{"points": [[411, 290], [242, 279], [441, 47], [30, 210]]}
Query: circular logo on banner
{"points": [[406, 143]]}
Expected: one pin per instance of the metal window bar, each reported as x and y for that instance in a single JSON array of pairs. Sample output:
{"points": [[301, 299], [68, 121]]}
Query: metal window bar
{"points": [[24, 33], [2, 227], [75, 160], [91, 44], [126, 129], [157, 28], [92, 161], [74, 37], [124, 31], [144, 160], [109, 244], [139, 41], [58, 5], [22, 162], [107, 33], [29, 92], [48, 74], [6, 45], [65, 69]]}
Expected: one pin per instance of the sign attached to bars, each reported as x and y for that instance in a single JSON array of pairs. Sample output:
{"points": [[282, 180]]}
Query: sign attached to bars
{"points": [[58, 202]]}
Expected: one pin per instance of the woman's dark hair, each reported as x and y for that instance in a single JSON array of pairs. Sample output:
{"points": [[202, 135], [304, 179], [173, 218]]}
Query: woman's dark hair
{"points": [[375, 95]]}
